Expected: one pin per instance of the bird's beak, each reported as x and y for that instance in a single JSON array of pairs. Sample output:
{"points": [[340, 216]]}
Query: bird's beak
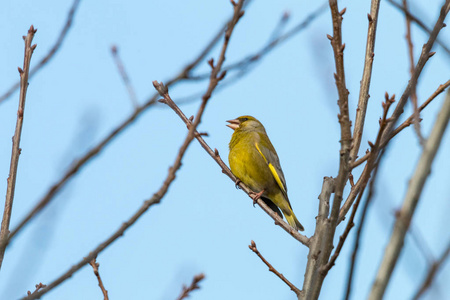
{"points": [[234, 124]]}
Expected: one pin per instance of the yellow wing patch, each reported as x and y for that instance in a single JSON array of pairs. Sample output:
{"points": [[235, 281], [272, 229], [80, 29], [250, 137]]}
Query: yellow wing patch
{"points": [[272, 170]]}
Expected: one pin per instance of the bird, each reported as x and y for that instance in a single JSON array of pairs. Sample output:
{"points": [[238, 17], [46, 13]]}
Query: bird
{"points": [[254, 161]]}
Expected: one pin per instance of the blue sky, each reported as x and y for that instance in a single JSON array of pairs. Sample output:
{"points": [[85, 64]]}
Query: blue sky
{"points": [[204, 224]]}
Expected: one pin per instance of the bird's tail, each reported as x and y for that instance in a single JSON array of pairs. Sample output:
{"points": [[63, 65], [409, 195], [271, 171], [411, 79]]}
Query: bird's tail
{"points": [[292, 220]]}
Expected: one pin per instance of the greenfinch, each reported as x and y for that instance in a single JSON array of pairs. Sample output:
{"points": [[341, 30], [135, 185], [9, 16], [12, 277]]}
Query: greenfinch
{"points": [[254, 161]]}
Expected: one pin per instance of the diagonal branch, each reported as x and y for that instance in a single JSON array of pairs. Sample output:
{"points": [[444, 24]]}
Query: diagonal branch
{"points": [[252, 247], [15, 152], [412, 196], [194, 286], [432, 271]]}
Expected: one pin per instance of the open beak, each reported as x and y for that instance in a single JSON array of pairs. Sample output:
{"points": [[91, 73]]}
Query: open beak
{"points": [[234, 124]]}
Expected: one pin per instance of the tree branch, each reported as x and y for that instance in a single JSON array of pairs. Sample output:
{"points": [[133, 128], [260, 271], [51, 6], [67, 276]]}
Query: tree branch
{"points": [[252, 247], [412, 196], [365, 81], [15, 152], [95, 266], [194, 286], [432, 271]]}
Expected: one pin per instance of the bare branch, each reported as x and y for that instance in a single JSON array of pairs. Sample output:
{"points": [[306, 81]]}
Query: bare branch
{"points": [[419, 23], [95, 266], [412, 196], [124, 75], [194, 286], [51, 53], [15, 152], [365, 81], [425, 55], [411, 63], [432, 271], [252, 247]]}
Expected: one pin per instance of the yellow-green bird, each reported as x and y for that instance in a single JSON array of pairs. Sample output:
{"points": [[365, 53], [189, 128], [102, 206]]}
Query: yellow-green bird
{"points": [[254, 161]]}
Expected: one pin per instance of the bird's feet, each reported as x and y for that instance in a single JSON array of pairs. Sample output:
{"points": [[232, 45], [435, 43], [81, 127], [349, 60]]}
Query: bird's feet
{"points": [[256, 196]]}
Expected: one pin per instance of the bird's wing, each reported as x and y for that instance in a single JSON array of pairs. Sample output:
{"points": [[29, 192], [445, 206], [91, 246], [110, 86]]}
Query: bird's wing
{"points": [[270, 156]]}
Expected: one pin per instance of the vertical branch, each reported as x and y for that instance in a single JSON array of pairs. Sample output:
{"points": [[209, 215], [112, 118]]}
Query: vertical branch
{"points": [[411, 70], [412, 196], [24, 72], [94, 264], [365, 81]]}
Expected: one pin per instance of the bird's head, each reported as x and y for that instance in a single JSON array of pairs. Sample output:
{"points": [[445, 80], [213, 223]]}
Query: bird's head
{"points": [[246, 123]]}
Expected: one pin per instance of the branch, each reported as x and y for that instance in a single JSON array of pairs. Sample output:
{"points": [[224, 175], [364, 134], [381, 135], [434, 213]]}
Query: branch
{"points": [[406, 123], [425, 55], [124, 76], [194, 286], [273, 270], [15, 152], [412, 196], [411, 63], [78, 164], [155, 199], [419, 23], [432, 271], [366, 78], [360, 228], [50, 54], [95, 266], [316, 243]]}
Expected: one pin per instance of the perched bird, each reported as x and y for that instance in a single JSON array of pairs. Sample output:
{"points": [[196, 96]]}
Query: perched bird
{"points": [[254, 161]]}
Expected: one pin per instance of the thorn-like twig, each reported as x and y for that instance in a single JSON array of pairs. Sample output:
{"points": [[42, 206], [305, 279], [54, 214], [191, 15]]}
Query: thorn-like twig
{"points": [[252, 247], [194, 286], [95, 266]]}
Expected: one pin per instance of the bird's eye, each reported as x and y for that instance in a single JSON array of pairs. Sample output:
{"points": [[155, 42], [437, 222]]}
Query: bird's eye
{"points": [[244, 119]]}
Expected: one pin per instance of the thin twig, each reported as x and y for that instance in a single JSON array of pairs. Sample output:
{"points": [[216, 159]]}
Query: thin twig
{"points": [[410, 120], [124, 75], [431, 274], [366, 78], [51, 52], [411, 69], [246, 62], [95, 266], [412, 197], [15, 152], [419, 23], [194, 286], [252, 247]]}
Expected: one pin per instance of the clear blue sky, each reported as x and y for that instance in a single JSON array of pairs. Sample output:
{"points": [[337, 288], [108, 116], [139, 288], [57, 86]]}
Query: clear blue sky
{"points": [[204, 224]]}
